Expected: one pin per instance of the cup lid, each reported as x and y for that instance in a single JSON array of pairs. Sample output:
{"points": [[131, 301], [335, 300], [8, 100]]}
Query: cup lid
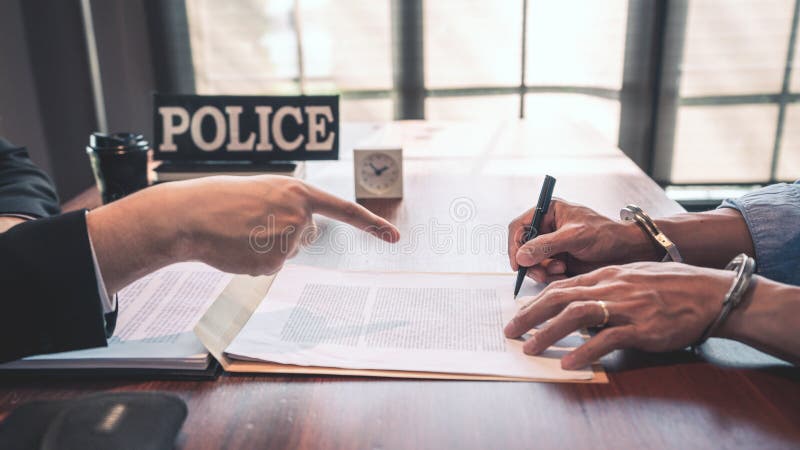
{"points": [[117, 141]]}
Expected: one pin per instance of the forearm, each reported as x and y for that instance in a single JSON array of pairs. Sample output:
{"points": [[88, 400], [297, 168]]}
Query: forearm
{"points": [[768, 319], [135, 236], [709, 239]]}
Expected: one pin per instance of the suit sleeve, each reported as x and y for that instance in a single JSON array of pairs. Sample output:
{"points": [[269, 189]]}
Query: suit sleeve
{"points": [[24, 188], [49, 300]]}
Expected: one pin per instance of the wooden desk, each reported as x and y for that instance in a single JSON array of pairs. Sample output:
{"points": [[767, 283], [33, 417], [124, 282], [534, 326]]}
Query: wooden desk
{"points": [[470, 180]]}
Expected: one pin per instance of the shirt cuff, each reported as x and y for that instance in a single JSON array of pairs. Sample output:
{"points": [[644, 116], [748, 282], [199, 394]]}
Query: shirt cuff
{"points": [[772, 215], [109, 306]]}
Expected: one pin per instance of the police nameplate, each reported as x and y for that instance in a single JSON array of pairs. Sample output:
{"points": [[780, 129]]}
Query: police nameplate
{"points": [[254, 128]]}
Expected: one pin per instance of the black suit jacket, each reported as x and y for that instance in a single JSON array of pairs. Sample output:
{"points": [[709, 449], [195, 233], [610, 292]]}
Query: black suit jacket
{"points": [[49, 300]]}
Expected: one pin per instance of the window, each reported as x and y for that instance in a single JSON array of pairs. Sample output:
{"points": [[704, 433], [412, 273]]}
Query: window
{"points": [[257, 47], [724, 95], [734, 119], [474, 54]]}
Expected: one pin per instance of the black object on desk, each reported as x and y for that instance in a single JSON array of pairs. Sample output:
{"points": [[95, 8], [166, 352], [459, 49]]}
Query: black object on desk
{"points": [[119, 163], [542, 206], [124, 420]]}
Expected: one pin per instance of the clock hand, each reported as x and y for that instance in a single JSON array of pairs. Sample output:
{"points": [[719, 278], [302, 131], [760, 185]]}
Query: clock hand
{"points": [[375, 169], [381, 170]]}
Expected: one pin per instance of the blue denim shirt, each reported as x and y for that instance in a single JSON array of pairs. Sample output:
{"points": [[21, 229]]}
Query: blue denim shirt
{"points": [[772, 215]]}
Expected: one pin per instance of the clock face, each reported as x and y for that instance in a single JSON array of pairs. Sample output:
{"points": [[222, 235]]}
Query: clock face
{"points": [[378, 172]]}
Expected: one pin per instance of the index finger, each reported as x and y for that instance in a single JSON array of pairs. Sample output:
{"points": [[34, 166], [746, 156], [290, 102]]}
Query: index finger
{"points": [[519, 227], [552, 301], [353, 214], [516, 233]]}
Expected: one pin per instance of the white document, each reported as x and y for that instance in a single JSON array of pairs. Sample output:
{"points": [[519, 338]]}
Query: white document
{"points": [[154, 325], [422, 322]]}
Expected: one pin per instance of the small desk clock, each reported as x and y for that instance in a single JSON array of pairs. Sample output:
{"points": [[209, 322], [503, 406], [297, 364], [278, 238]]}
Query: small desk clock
{"points": [[378, 172]]}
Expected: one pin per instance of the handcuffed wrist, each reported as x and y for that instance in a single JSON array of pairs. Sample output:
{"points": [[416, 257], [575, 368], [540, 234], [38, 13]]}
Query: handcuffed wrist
{"points": [[744, 267], [634, 214], [640, 246]]}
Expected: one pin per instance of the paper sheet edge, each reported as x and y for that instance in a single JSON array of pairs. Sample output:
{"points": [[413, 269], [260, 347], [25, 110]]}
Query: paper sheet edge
{"points": [[237, 366]]}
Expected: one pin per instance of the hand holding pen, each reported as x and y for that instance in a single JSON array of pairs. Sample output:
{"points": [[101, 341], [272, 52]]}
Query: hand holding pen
{"points": [[545, 196]]}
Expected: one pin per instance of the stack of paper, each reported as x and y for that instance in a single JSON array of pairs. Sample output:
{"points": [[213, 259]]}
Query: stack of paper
{"points": [[429, 325], [319, 321], [154, 327]]}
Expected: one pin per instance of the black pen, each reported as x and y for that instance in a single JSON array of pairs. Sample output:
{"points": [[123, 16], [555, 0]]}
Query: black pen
{"points": [[541, 209]]}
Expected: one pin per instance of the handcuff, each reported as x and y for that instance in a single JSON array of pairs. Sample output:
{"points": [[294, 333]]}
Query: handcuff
{"points": [[744, 266], [632, 213]]}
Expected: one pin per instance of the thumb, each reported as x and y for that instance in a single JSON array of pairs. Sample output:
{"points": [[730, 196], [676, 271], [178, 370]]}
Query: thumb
{"points": [[543, 246]]}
